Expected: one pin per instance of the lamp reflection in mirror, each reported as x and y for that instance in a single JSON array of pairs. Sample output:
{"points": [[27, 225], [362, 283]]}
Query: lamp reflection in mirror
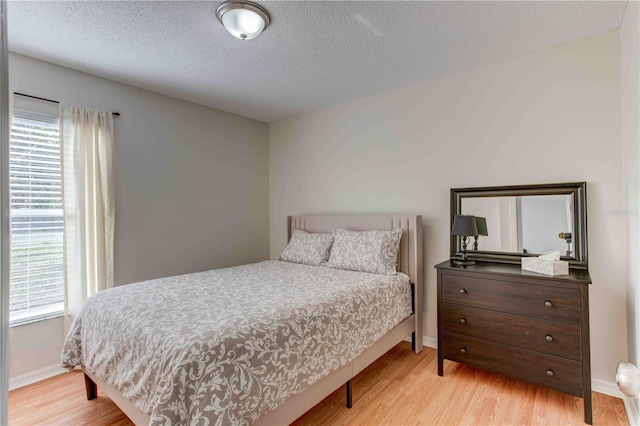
{"points": [[566, 236], [628, 379], [481, 224], [464, 226]]}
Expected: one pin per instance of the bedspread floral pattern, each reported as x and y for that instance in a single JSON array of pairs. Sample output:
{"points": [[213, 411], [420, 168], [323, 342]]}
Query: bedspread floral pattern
{"points": [[227, 346]]}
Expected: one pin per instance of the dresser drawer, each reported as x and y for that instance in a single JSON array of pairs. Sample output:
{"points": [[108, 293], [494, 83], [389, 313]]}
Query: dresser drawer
{"points": [[540, 301], [529, 333], [546, 370]]}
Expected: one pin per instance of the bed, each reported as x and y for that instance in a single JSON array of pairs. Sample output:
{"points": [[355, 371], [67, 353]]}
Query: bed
{"points": [[255, 344]]}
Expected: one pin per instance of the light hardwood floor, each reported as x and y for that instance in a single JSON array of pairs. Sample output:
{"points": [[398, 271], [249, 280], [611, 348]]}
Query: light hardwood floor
{"points": [[401, 388]]}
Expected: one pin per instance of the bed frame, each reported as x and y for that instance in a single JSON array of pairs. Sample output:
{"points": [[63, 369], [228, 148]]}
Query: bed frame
{"points": [[409, 262]]}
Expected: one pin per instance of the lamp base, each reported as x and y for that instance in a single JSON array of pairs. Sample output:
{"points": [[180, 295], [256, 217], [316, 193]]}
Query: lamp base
{"points": [[464, 262]]}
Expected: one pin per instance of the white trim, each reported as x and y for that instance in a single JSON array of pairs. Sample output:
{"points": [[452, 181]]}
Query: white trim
{"points": [[5, 223], [606, 387], [43, 313], [430, 342], [35, 376], [631, 407], [610, 388]]}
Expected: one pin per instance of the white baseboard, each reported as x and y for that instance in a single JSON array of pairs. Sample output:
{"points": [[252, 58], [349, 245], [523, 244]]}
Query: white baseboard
{"points": [[427, 341], [631, 407], [606, 387], [610, 388], [35, 376], [430, 342]]}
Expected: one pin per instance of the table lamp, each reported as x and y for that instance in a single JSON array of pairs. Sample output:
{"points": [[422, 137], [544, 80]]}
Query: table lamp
{"points": [[464, 226]]}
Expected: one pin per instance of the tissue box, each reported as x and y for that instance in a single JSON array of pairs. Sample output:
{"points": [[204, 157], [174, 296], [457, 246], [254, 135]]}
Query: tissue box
{"points": [[545, 266]]}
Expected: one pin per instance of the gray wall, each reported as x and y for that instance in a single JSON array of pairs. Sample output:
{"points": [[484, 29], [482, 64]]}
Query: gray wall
{"points": [[191, 187], [549, 116]]}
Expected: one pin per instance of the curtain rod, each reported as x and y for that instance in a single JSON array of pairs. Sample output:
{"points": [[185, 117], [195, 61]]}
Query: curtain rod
{"points": [[117, 114]]}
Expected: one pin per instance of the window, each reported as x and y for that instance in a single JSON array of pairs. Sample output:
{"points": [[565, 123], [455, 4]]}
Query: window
{"points": [[37, 272]]}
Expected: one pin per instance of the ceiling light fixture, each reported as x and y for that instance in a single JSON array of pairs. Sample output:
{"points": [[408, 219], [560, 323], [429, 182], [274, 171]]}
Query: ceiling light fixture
{"points": [[243, 19]]}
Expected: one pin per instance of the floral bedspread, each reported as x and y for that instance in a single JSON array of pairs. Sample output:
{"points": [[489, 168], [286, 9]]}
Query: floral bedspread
{"points": [[226, 346]]}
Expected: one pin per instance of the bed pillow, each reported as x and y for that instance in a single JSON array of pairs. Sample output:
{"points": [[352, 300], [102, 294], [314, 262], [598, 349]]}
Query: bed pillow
{"points": [[308, 248], [368, 251]]}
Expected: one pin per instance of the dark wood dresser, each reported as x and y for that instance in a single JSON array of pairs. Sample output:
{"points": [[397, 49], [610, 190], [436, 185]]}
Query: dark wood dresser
{"points": [[517, 323]]}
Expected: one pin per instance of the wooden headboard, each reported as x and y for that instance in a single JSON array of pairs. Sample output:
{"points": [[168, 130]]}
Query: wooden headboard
{"points": [[409, 255]]}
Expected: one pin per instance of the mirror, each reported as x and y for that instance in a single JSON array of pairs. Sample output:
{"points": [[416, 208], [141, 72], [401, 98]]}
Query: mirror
{"points": [[524, 224], [525, 220]]}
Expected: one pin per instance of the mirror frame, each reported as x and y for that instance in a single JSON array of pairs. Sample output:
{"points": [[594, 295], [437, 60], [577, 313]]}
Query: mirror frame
{"points": [[578, 192]]}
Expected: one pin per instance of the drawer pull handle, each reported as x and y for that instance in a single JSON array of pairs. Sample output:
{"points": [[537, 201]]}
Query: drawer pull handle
{"points": [[550, 373], [463, 291], [549, 338], [463, 321], [548, 304], [463, 350]]}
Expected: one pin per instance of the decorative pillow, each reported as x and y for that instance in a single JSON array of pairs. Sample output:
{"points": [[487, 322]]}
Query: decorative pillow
{"points": [[308, 248], [368, 251]]}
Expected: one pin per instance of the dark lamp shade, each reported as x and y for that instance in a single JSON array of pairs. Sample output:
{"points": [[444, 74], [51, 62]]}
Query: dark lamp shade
{"points": [[481, 224], [464, 225]]}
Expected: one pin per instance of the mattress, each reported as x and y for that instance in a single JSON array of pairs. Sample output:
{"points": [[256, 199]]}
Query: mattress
{"points": [[229, 345]]}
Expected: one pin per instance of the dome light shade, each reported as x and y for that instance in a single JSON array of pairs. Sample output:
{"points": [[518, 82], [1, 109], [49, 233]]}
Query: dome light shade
{"points": [[628, 379], [244, 20]]}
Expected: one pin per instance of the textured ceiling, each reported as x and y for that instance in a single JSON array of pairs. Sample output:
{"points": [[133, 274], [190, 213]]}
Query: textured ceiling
{"points": [[314, 54]]}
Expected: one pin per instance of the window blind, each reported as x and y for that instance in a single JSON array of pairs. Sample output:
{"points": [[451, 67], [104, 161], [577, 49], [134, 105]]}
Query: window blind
{"points": [[35, 180]]}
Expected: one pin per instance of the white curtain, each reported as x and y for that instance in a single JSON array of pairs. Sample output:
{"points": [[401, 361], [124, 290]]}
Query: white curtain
{"points": [[89, 205]]}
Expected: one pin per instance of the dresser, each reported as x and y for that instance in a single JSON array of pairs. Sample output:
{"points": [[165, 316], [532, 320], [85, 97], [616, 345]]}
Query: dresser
{"points": [[521, 324]]}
